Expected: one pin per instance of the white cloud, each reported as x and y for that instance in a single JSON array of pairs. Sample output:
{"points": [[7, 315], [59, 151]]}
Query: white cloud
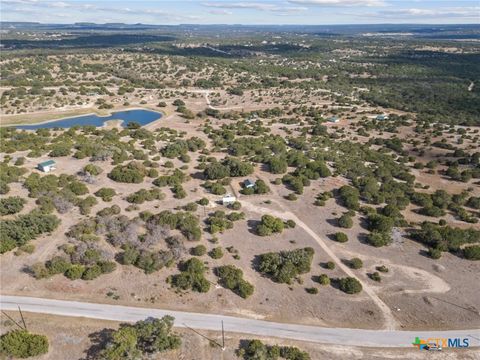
{"points": [[220, 12], [458, 12], [255, 6], [339, 2]]}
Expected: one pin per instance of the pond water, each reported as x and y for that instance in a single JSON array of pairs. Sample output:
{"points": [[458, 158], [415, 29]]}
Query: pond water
{"points": [[140, 116]]}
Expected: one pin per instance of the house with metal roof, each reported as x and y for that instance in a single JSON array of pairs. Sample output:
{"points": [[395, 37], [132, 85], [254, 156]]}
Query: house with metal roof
{"points": [[47, 166], [333, 119], [248, 184]]}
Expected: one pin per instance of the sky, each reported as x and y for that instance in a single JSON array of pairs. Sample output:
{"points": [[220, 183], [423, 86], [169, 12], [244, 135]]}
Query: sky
{"points": [[313, 12]]}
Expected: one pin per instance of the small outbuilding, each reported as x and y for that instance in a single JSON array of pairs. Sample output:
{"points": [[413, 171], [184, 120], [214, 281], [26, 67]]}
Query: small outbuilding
{"points": [[248, 184], [228, 199], [333, 119], [47, 166], [381, 117]]}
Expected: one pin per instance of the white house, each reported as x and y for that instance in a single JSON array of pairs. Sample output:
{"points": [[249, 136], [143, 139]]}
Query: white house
{"points": [[47, 166], [228, 199]]}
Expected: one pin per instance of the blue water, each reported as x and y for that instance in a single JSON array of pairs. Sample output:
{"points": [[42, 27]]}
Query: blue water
{"points": [[142, 117]]}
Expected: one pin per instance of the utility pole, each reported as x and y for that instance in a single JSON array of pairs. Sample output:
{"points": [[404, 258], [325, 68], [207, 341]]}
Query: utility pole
{"points": [[223, 337]]}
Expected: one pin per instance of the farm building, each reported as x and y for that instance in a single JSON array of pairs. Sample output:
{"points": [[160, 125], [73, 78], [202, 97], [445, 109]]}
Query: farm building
{"points": [[228, 199], [47, 166], [248, 184]]}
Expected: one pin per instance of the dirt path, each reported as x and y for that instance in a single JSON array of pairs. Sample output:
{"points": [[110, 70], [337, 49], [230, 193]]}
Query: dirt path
{"points": [[390, 322]]}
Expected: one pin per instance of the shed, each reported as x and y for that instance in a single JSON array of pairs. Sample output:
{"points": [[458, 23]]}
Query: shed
{"points": [[47, 166], [228, 199], [333, 119], [248, 184]]}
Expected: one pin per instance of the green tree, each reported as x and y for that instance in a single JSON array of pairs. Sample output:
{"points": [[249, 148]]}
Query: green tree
{"points": [[22, 344]]}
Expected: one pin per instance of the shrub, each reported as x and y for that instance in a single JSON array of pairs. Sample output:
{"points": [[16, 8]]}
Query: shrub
{"points": [[231, 277], [434, 253], [140, 340], [203, 202], [312, 290], [11, 205], [256, 350], [290, 224], [133, 172], [198, 250], [345, 221], [380, 223], [92, 169], [330, 265], [472, 252], [57, 265], [22, 344], [24, 228], [355, 263], [75, 271], [77, 187], [323, 279], [106, 194], [216, 253], [445, 238], [283, 266], [92, 272], [142, 195], [349, 285], [341, 237], [269, 225], [350, 197], [375, 276], [378, 239], [382, 268], [191, 276]]}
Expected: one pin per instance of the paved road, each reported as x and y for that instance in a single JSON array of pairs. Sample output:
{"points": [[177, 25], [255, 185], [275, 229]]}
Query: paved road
{"points": [[339, 336]]}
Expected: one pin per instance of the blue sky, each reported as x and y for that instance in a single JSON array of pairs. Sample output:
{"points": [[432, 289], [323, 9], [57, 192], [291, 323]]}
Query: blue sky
{"points": [[316, 12]]}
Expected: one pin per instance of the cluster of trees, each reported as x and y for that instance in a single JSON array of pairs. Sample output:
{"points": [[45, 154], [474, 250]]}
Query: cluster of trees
{"points": [[106, 194], [229, 167], [219, 221], [231, 277], [185, 222], [140, 340], [133, 172], [8, 175], [148, 261], [19, 231], [11, 205], [444, 238], [142, 195], [22, 344], [182, 147], [216, 187], [85, 262], [269, 225], [256, 350], [284, 266], [349, 285], [191, 277]]}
